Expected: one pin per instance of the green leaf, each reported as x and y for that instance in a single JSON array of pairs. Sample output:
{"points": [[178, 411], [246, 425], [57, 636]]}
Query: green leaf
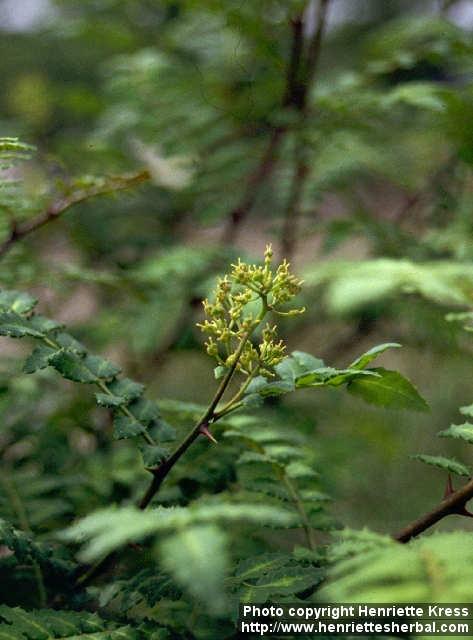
{"points": [[145, 410], [297, 364], [298, 470], [432, 568], [390, 389], [46, 624], [126, 427], [111, 528], [198, 560], [38, 359], [328, 376], [69, 342], [444, 463], [285, 581], [266, 388], [364, 360], [153, 455], [17, 326], [251, 457], [26, 548], [252, 400], [283, 452], [17, 301], [424, 95], [306, 360], [255, 567], [163, 431], [44, 325], [461, 431], [220, 371], [128, 389], [109, 400], [467, 411], [87, 370], [102, 368], [72, 366]]}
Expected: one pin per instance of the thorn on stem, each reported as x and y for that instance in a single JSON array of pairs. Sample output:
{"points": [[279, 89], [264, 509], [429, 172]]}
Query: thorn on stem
{"points": [[461, 510], [449, 487], [204, 430]]}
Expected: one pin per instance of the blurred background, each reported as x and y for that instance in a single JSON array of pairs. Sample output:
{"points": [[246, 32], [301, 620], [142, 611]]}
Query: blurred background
{"points": [[345, 139]]}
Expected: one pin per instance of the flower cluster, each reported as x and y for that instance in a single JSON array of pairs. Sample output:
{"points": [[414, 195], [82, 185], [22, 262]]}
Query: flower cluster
{"points": [[240, 304]]}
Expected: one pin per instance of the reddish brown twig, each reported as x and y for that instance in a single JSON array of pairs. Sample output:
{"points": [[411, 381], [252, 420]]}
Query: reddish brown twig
{"points": [[453, 503], [301, 171], [19, 230], [269, 159]]}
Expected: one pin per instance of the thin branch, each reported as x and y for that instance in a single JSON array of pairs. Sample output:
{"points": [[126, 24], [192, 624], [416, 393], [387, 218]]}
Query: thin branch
{"points": [[309, 532], [454, 503], [238, 395], [55, 209], [160, 472], [255, 182], [301, 170], [293, 84], [293, 208], [315, 46], [269, 159]]}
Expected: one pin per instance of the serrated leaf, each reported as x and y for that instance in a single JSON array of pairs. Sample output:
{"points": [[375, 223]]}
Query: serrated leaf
{"points": [[390, 389], [198, 560], [163, 431], [46, 624], [251, 457], [267, 487], [87, 370], [153, 455], [102, 368], [72, 366], [283, 452], [431, 568], [285, 581], [108, 529], [109, 400], [367, 357], [38, 359], [17, 326], [128, 389], [145, 410], [298, 470], [44, 325], [312, 495], [461, 431], [69, 342], [444, 463], [126, 427], [260, 565]]}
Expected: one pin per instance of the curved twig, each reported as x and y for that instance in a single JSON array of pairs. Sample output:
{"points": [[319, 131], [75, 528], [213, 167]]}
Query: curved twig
{"points": [[19, 230], [453, 503]]}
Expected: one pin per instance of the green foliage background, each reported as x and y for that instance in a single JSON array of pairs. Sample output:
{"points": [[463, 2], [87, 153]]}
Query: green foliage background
{"points": [[175, 132]]}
